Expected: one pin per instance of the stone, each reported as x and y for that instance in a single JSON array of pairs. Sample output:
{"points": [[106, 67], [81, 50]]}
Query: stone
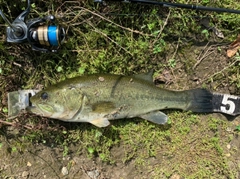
{"points": [[64, 171]]}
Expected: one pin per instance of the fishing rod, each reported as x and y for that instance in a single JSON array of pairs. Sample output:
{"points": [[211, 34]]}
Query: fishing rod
{"points": [[176, 5], [40, 33]]}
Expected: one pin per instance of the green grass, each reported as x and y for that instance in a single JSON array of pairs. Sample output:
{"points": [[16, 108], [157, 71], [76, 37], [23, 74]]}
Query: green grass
{"points": [[191, 145]]}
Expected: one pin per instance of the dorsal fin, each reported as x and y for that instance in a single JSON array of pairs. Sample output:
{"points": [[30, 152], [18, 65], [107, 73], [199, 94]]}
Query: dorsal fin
{"points": [[145, 76]]}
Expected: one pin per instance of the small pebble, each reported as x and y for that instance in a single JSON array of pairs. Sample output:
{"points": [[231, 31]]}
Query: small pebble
{"points": [[25, 174], [29, 164], [175, 176], [228, 146], [229, 129], [93, 174], [64, 171], [228, 155]]}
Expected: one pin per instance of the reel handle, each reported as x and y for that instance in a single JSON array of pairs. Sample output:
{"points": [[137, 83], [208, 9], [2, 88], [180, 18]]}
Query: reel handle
{"points": [[41, 37], [17, 30]]}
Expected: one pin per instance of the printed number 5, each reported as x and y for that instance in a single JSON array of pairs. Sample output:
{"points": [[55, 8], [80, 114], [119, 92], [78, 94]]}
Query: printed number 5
{"points": [[229, 106]]}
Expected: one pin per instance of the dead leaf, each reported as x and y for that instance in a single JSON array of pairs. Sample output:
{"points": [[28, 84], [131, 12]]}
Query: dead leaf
{"points": [[233, 47]]}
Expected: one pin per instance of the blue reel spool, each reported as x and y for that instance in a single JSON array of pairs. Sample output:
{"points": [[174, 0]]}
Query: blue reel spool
{"points": [[53, 35], [49, 35]]}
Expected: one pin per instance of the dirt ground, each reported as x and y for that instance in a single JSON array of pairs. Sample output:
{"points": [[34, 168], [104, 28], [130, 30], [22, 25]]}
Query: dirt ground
{"points": [[38, 160], [192, 146]]}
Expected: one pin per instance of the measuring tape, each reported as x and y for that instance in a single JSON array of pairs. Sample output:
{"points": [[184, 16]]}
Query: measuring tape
{"points": [[227, 104]]}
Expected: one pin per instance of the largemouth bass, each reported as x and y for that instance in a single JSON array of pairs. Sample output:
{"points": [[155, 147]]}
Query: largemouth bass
{"points": [[99, 98]]}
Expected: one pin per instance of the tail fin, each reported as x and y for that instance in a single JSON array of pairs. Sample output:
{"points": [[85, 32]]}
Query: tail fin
{"points": [[201, 101]]}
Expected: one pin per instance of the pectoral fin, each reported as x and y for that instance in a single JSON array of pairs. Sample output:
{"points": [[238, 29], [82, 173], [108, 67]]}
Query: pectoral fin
{"points": [[100, 122], [157, 117]]}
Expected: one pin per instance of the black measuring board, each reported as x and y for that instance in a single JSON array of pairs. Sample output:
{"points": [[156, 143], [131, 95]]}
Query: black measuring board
{"points": [[225, 103]]}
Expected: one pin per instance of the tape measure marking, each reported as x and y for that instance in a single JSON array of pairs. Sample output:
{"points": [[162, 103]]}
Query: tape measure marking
{"points": [[225, 103]]}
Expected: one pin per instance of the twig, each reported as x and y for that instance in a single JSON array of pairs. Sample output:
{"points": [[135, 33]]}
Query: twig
{"points": [[232, 64], [17, 64], [175, 52], [173, 56], [105, 35], [203, 57], [164, 25], [98, 15], [15, 124]]}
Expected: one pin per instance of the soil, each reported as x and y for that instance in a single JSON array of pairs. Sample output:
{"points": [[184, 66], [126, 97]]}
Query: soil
{"points": [[39, 160]]}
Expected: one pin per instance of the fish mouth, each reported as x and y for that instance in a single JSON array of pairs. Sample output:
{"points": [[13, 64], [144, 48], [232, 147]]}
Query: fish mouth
{"points": [[33, 109], [41, 109], [30, 108]]}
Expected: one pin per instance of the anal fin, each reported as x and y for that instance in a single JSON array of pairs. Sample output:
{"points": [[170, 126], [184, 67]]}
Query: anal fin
{"points": [[156, 117]]}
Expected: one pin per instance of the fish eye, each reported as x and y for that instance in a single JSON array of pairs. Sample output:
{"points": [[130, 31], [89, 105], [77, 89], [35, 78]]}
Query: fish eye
{"points": [[44, 96]]}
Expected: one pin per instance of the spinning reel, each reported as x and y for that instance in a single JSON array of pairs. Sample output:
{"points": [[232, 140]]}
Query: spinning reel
{"points": [[41, 36]]}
